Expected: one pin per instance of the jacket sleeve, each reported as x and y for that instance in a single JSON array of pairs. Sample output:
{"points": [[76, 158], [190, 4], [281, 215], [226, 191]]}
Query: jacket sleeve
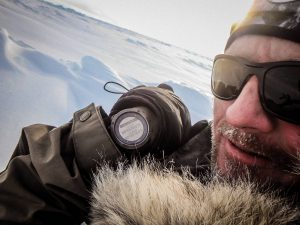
{"points": [[47, 179], [196, 152]]}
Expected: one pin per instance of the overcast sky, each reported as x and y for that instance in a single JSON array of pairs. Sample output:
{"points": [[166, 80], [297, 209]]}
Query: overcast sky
{"points": [[198, 25]]}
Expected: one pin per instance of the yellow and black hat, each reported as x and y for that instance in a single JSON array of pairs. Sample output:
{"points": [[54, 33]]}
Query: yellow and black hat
{"points": [[278, 18]]}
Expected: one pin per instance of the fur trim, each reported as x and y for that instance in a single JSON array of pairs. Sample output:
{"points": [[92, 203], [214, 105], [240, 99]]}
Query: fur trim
{"points": [[149, 195]]}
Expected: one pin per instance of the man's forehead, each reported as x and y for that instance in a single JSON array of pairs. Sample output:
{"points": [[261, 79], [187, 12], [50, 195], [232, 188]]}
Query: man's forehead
{"points": [[260, 48], [282, 1]]}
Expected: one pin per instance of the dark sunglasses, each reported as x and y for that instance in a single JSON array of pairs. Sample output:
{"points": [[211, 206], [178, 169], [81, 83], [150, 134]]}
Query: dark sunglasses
{"points": [[279, 84]]}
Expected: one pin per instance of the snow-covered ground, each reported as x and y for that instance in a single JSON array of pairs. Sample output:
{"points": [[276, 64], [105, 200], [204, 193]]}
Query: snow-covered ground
{"points": [[54, 61]]}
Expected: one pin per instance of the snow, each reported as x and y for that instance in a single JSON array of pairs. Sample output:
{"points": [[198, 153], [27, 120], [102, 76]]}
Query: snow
{"points": [[55, 61]]}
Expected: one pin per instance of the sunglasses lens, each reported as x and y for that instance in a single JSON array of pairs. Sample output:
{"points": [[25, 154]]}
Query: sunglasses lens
{"points": [[282, 92], [227, 78]]}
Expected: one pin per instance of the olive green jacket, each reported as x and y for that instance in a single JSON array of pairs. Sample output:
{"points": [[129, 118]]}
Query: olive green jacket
{"points": [[48, 178]]}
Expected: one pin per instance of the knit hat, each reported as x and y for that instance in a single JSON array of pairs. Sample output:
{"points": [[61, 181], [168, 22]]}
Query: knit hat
{"points": [[278, 18]]}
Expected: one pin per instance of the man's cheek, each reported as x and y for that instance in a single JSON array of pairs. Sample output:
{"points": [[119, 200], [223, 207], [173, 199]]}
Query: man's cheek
{"points": [[219, 109], [218, 153]]}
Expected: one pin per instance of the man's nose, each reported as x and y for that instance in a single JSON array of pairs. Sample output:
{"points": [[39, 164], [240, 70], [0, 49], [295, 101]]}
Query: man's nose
{"points": [[246, 111]]}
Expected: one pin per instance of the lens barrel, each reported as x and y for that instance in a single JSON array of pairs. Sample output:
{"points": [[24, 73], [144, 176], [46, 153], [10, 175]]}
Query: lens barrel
{"points": [[134, 128]]}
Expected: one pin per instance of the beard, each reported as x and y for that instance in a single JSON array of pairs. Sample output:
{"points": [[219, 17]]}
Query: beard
{"points": [[233, 170], [149, 194]]}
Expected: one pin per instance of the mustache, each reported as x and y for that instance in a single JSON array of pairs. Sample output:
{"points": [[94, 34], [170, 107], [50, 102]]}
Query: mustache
{"points": [[255, 144]]}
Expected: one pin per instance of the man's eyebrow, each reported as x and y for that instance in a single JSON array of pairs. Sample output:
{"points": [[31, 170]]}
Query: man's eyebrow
{"points": [[295, 59]]}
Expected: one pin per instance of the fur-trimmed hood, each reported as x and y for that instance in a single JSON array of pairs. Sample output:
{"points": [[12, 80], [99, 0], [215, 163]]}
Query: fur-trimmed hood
{"points": [[149, 195]]}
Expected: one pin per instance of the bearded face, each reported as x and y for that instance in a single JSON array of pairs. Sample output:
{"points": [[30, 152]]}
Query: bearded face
{"points": [[262, 163], [247, 141]]}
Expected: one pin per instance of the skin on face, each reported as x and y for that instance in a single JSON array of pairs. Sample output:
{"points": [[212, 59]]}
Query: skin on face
{"points": [[245, 138]]}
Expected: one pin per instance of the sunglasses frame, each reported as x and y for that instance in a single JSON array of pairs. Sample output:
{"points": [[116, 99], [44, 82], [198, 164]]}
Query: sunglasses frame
{"points": [[259, 70]]}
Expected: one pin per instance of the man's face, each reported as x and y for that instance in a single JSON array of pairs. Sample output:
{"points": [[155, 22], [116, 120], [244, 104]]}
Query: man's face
{"points": [[247, 140]]}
